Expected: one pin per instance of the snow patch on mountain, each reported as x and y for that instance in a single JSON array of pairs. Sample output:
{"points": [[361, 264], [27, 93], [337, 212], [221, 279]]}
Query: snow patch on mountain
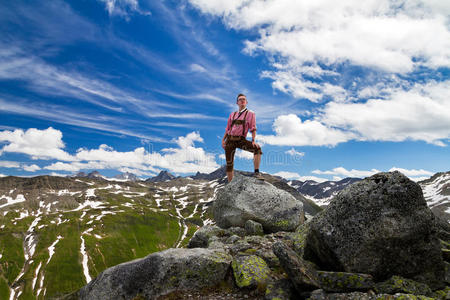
{"points": [[11, 201], [51, 249], [434, 190], [85, 261]]}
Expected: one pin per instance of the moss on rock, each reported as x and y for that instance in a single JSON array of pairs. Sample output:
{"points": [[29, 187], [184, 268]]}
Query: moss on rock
{"points": [[250, 271], [398, 284]]}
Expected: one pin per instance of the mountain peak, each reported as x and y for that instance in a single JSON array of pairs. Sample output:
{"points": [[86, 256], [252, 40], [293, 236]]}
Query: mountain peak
{"points": [[127, 176], [162, 176]]}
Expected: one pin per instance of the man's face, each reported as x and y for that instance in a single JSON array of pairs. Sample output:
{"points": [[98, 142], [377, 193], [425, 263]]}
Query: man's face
{"points": [[242, 101]]}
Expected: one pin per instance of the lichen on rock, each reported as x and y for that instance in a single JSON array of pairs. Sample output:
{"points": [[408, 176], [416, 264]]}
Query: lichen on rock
{"points": [[250, 271]]}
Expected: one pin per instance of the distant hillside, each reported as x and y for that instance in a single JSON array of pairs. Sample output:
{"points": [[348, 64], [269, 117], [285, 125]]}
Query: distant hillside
{"points": [[436, 191], [57, 233], [321, 193]]}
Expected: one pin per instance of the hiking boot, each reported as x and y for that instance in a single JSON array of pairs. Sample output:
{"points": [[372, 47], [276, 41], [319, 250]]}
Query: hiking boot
{"points": [[258, 176]]}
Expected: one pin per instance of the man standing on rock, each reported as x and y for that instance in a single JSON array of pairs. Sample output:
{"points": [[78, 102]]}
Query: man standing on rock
{"points": [[239, 123]]}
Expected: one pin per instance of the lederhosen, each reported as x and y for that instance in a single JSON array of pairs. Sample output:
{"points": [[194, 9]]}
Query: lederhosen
{"points": [[233, 142]]}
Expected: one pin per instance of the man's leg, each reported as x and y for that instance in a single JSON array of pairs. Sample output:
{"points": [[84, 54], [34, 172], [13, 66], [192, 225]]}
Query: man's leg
{"points": [[256, 160], [230, 175], [230, 148]]}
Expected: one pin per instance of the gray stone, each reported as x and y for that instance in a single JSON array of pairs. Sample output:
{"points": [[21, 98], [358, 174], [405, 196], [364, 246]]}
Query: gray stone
{"points": [[240, 246], [321, 295], [302, 275], [160, 273], [280, 290], [201, 237], [246, 198], [237, 231], [250, 271], [344, 281], [253, 228], [233, 239], [397, 284], [380, 226]]}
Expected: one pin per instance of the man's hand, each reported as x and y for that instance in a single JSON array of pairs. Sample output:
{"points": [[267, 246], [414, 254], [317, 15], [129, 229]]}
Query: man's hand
{"points": [[255, 144]]}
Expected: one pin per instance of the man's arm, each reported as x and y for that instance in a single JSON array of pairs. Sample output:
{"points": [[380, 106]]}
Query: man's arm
{"points": [[226, 131], [252, 126]]}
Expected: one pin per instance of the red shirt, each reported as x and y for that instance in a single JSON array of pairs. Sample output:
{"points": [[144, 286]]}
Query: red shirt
{"points": [[250, 123]]}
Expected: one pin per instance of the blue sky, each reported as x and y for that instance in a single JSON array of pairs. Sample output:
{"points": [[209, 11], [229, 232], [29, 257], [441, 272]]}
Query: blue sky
{"points": [[339, 89]]}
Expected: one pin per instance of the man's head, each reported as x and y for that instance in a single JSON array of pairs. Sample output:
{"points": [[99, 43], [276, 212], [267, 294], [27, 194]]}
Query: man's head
{"points": [[241, 100]]}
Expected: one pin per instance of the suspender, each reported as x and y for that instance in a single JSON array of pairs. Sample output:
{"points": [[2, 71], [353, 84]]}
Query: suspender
{"points": [[237, 121]]}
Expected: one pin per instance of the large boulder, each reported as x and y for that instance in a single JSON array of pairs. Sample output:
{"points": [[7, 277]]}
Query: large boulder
{"points": [[160, 273], [379, 226], [246, 198]]}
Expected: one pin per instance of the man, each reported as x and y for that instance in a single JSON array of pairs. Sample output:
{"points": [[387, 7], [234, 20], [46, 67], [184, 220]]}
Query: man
{"points": [[239, 123]]}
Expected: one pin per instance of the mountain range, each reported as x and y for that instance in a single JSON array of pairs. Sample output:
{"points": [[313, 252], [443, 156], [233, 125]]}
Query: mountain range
{"points": [[57, 233]]}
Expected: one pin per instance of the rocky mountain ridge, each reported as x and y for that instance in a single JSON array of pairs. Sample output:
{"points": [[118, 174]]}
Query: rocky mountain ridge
{"points": [[90, 224], [49, 221], [256, 253]]}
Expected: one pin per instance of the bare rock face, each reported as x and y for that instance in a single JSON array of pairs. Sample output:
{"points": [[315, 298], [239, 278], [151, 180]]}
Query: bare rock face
{"points": [[246, 198], [380, 226], [159, 274]]}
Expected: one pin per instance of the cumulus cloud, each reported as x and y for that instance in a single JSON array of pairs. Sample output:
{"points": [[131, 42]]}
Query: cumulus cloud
{"points": [[308, 42], [38, 144], [31, 168], [18, 165], [341, 172], [291, 130], [9, 164], [186, 158], [413, 172], [296, 176], [48, 144], [421, 113], [293, 152]]}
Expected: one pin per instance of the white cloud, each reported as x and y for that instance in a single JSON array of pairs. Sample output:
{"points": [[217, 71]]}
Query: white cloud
{"points": [[123, 8], [413, 172], [341, 171], [31, 168], [9, 164], [39, 144], [296, 176], [421, 113], [58, 174], [197, 68], [48, 144], [60, 166], [290, 130], [137, 172], [293, 152], [186, 158], [18, 165], [3, 175], [312, 38]]}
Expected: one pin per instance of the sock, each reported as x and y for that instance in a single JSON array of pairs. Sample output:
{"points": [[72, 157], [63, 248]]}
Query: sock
{"points": [[256, 170]]}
